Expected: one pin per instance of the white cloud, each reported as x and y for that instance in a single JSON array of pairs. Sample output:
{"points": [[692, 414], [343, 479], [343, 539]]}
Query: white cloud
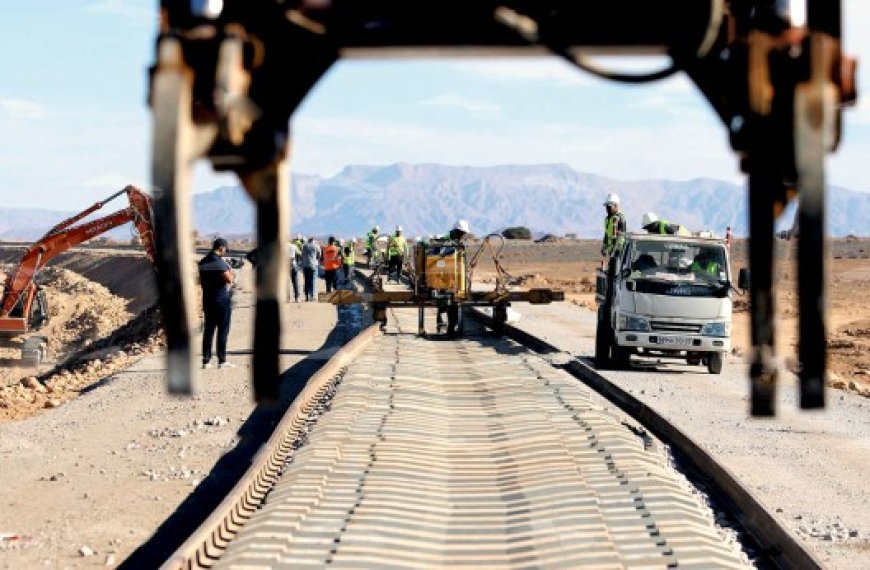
{"points": [[22, 109], [536, 70], [476, 107], [325, 144], [124, 8]]}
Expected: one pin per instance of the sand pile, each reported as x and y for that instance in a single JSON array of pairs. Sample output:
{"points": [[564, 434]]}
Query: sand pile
{"points": [[90, 335], [80, 311]]}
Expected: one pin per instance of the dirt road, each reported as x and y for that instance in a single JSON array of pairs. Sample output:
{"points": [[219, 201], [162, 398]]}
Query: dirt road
{"points": [[87, 483]]}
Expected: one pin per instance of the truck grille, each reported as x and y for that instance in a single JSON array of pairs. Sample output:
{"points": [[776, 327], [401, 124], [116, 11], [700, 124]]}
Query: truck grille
{"points": [[675, 327]]}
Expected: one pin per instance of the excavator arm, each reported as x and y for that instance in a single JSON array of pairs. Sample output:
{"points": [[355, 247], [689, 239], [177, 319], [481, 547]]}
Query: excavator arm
{"points": [[20, 289]]}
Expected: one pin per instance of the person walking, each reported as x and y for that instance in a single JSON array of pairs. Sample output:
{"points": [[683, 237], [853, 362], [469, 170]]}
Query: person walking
{"points": [[310, 262], [331, 263], [348, 256], [652, 224], [396, 254], [615, 226], [295, 255], [216, 278]]}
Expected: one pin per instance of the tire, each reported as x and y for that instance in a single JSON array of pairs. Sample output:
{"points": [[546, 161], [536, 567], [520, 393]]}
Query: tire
{"points": [[620, 356], [714, 363], [602, 341], [694, 361]]}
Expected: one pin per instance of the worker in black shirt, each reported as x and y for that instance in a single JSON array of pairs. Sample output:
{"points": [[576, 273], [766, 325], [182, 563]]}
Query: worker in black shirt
{"points": [[216, 277]]}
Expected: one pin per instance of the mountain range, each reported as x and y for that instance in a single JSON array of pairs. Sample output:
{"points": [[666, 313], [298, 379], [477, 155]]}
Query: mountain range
{"points": [[428, 198]]}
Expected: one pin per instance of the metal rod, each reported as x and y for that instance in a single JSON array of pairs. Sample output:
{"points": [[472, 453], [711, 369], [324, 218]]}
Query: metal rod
{"points": [[763, 182]]}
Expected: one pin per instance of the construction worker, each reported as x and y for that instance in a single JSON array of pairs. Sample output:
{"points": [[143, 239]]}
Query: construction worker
{"points": [[299, 241], [331, 263], [294, 252], [652, 224], [371, 238], [396, 254], [706, 263], [460, 230], [615, 226], [216, 277], [348, 255]]}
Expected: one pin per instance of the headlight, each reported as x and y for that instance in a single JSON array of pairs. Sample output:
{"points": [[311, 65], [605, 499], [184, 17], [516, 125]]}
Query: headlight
{"points": [[716, 329], [632, 323]]}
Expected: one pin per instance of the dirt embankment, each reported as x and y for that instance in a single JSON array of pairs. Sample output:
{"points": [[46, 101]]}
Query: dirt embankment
{"points": [[97, 326]]}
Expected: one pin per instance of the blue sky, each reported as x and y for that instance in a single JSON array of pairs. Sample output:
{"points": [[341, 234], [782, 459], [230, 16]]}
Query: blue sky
{"points": [[74, 126]]}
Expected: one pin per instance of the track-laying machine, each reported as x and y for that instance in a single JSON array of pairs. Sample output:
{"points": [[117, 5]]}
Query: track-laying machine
{"points": [[24, 307], [440, 274]]}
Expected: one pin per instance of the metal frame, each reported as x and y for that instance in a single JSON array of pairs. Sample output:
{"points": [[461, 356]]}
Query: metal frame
{"points": [[229, 75]]}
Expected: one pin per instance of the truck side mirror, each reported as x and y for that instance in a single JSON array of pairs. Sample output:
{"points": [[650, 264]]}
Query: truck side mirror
{"points": [[743, 279]]}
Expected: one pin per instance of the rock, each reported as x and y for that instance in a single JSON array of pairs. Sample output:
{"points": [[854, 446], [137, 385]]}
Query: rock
{"points": [[853, 386], [86, 551], [33, 383], [839, 385], [110, 560], [51, 404]]}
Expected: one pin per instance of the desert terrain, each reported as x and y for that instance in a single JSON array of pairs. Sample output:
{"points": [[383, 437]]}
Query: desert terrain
{"points": [[93, 424]]}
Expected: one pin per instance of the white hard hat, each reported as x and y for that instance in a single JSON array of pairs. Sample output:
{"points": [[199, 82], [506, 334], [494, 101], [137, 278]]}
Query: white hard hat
{"points": [[377, 228], [299, 236], [462, 225], [398, 228], [648, 219], [612, 199], [353, 241]]}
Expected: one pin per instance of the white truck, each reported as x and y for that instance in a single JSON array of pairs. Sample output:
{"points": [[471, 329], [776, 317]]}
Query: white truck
{"points": [[665, 296]]}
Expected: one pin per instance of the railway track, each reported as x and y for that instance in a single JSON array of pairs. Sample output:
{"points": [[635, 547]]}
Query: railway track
{"points": [[408, 452]]}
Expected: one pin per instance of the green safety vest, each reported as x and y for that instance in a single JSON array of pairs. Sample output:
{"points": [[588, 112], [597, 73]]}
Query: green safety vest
{"points": [[663, 228], [349, 255], [612, 240], [712, 267], [397, 246], [371, 238]]}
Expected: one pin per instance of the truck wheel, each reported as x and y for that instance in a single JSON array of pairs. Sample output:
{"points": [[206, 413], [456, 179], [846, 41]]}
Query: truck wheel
{"points": [[714, 363], [694, 361], [602, 342], [621, 357]]}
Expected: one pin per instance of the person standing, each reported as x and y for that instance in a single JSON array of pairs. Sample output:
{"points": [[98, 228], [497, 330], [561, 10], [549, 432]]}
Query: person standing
{"points": [[371, 251], [348, 256], [216, 278], [615, 226], [331, 263], [310, 262], [295, 254], [396, 254], [457, 233]]}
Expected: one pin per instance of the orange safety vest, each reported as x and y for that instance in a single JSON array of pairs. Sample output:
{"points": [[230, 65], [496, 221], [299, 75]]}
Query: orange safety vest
{"points": [[331, 258]]}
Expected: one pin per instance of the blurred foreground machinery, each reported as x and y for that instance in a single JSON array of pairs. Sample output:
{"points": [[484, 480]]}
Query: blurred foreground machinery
{"points": [[229, 74], [441, 276], [23, 306]]}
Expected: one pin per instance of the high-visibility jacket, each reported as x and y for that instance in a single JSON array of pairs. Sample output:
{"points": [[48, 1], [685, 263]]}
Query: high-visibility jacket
{"points": [[615, 227], [710, 267], [349, 255], [397, 246], [666, 227], [371, 238], [331, 257]]}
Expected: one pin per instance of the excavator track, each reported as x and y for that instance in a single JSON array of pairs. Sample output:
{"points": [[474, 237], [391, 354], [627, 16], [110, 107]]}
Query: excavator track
{"points": [[408, 452]]}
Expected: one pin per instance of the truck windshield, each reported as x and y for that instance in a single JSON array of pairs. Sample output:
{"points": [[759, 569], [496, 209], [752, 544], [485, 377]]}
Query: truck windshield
{"points": [[677, 261]]}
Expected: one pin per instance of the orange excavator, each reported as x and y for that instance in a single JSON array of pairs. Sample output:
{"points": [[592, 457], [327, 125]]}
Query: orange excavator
{"points": [[23, 308]]}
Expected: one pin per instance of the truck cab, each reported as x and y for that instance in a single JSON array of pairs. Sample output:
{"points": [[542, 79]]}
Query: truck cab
{"points": [[665, 296]]}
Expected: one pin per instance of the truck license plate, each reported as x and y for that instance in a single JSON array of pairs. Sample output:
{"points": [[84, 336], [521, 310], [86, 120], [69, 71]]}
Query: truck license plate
{"points": [[675, 340]]}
